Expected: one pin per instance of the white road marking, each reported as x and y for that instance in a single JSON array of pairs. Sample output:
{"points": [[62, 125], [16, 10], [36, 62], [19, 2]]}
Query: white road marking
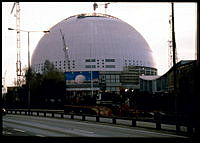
{"points": [[6, 133], [38, 135], [84, 131], [19, 130]]}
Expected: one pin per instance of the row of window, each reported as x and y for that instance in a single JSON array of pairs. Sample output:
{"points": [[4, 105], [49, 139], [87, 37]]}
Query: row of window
{"points": [[58, 63], [94, 60], [94, 66], [112, 60]]}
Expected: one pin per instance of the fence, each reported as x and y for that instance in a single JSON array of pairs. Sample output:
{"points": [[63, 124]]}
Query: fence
{"points": [[159, 124]]}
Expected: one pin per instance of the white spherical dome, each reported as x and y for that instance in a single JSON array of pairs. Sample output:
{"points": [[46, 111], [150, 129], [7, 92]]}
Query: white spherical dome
{"points": [[95, 42]]}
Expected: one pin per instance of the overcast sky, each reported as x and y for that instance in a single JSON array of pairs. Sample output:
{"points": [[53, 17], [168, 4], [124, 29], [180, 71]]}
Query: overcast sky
{"points": [[149, 19]]}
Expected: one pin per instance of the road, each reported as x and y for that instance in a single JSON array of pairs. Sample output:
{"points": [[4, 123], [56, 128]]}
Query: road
{"points": [[21, 125]]}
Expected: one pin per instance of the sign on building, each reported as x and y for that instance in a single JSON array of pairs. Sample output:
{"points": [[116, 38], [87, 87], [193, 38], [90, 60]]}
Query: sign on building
{"points": [[82, 77]]}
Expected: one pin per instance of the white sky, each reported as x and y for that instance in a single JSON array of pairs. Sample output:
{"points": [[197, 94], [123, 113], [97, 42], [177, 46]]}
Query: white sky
{"points": [[150, 19]]}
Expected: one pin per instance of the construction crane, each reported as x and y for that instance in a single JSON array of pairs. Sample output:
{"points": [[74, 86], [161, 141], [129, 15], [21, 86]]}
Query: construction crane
{"points": [[95, 6], [18, 63], [66, 50], [4, 83]]}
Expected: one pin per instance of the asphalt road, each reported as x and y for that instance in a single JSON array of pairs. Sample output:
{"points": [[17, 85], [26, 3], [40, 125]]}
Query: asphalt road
{"points": [[20, 125]]}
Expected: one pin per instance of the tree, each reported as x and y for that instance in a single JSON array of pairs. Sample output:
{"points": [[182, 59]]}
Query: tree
{"points": [[48, 88]]}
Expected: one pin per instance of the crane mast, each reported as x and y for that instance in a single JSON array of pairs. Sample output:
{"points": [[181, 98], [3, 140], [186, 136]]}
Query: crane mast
{"points": [[95, 6], [18, 63], [65, 49]]}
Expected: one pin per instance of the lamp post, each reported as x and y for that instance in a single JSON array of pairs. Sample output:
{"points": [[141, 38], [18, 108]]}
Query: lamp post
{"points": [[28, 79]]}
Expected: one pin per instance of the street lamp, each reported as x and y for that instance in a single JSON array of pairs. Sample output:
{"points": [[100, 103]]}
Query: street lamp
{"points": [[28, 61]]}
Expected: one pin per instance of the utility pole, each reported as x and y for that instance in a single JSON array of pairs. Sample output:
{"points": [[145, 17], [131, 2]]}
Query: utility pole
{"points": [[174, 69], [29, 64]]}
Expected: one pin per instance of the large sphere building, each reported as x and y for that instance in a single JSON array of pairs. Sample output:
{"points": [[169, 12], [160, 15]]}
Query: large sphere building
{"points": [[93, 42]]}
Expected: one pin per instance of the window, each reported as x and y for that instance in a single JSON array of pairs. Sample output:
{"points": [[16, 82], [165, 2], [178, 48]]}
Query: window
{"points": [[107, 76], [90, 60], [90, 66], [110, 66], [110, 60]]}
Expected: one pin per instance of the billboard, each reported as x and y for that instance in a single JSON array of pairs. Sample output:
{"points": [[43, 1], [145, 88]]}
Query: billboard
{"points": [[82, 77]]}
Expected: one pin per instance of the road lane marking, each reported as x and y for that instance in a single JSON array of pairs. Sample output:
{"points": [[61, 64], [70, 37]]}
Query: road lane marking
{"points": [[18, 130], [83, 131], [6, 133], [38, 135]]}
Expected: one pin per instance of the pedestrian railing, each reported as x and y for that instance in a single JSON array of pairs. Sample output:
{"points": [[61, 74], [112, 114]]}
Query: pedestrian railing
{"points": [[188, 130]]}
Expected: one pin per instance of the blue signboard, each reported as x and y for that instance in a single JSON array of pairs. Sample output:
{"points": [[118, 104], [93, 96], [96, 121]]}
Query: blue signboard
{"points": [[82, 77]]}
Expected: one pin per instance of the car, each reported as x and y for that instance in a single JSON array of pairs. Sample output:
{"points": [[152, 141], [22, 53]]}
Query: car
{"points": [[4, 111]]}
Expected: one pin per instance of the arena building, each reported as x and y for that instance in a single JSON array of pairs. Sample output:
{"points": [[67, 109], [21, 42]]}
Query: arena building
{"points": [[96, 52]]}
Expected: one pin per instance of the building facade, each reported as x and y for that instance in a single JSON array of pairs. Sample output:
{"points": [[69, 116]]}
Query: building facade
{"points": [[165, 83], [93, 43]]}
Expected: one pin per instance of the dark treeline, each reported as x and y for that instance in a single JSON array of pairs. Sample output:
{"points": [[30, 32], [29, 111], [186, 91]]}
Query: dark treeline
{"points": [[47, 90]]}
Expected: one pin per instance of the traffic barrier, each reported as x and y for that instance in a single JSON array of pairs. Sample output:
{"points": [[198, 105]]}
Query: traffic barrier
{"points": [[157, 119], [114, 120], [72, 116], [83, 118], [61, 115], [158, 124], [97, 119], [52, 114], [133, 123]]}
